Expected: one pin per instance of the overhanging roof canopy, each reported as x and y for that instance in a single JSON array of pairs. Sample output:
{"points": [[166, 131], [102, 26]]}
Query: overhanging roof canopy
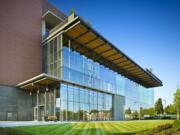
{"points": [[40, 80], [90, 43]]}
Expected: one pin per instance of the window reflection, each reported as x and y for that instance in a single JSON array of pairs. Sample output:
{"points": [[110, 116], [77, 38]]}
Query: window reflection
{"points": [[79, 69], [84, 104]]}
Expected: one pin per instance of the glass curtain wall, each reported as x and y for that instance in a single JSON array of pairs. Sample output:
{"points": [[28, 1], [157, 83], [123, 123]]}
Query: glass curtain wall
{"points": [[52, 52], [84, 104], [79, 69], [69, 65], [137, 96]]}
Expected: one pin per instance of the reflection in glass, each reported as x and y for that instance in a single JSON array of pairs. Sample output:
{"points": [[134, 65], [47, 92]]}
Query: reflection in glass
{"points": [[84, 104]]}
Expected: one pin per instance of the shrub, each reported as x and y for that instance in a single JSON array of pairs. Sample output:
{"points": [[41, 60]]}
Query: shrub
{"points": [[166, 117], [162, 127], [176, 125], [167, 132]]}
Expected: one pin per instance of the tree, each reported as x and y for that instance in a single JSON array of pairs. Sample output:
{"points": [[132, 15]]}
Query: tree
{"points": [[148, 111], [170, 109], [159, 106], [135, 115], [72, 11], [177, 101], [128, 111]]}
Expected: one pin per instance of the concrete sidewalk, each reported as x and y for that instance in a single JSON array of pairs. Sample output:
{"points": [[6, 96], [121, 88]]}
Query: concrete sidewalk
{"points": [[27, 123]]}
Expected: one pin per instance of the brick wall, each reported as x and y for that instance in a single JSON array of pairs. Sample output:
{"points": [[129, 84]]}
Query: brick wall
{"points": [[20, 40]]}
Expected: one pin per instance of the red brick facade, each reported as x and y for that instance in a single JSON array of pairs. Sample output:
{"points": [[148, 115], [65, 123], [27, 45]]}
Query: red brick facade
{"points": [[20, 40]]}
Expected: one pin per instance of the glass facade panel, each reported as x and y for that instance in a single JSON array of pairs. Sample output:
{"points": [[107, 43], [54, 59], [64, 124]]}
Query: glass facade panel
{"points": [[79, 69], [138, 96], [81, 107], [52, 57]]}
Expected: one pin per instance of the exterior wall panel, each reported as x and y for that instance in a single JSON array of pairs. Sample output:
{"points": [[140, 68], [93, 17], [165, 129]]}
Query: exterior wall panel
{"points": [[118, 107], [15, 104], [20, 40]]}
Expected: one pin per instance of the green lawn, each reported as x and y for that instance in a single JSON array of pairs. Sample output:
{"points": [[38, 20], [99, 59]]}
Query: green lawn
{"points": [[94, 128]]}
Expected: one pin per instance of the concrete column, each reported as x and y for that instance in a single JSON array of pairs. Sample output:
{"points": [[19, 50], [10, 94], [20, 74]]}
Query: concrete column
{"points": [[118, 103]]}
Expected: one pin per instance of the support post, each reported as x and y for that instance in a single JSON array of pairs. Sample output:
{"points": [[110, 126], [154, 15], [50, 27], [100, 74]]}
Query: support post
{"points": [[139, 111], [69, 45], [38, 104], [54, 102], [45, 104]]}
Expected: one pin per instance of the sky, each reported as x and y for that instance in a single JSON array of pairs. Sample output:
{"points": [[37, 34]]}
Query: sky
{"points": [[148, 31]]}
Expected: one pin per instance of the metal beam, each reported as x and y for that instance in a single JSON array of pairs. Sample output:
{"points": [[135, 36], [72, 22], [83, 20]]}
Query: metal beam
{"points": [[137, 71], [104, 51], [138, 74], [129, 66], [116, 59], [91, 40], [124, 61], [111, 55], [82, 34], [99, 46], [87, 41]]}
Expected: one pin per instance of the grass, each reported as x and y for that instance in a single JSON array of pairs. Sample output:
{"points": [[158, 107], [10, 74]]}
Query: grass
{"points": [[176, 125], [93, 128]]}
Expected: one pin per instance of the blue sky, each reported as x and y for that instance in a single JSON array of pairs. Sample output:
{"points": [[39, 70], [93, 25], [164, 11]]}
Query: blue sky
{"points": [[148, 31]]}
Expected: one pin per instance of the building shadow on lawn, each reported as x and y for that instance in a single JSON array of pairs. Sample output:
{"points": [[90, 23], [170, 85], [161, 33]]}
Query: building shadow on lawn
{"points": [[10, 131]]}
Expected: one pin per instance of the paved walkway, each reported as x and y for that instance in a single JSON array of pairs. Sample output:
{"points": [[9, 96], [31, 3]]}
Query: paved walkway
{"points": [[31, 123], [26, 123]]}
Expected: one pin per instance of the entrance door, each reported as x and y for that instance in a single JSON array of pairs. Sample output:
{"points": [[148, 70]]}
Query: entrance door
{"points": [[39, 114], [45, 105]]}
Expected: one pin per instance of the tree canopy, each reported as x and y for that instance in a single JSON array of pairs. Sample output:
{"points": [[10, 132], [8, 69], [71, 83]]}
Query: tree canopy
{"points": [[159, 106], [128, 111], [177, 101], [170, 109], [72, 11]]}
